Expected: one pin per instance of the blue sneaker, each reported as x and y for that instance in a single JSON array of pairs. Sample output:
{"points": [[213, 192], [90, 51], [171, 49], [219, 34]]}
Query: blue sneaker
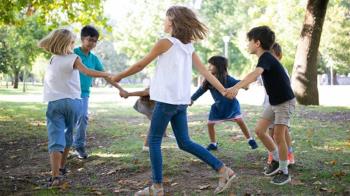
{"points": [[212, 146], [252, 143], [81, 153]]}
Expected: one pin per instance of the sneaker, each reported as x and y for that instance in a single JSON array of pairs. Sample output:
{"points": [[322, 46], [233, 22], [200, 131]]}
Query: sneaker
{"points": [[280, 178], [63, 171], [272, 168], [291, 160], [252, 143], [269, 158], [54, 181], [81, 153], [150, 191], [212, 146], [145, 149]]}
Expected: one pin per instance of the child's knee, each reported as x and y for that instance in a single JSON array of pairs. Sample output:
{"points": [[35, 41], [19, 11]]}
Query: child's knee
{"points": [[259, 132]]}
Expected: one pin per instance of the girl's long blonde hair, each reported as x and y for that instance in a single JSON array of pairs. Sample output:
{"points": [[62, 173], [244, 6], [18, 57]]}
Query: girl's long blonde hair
{"points": [[58, 42], [185, 25]]}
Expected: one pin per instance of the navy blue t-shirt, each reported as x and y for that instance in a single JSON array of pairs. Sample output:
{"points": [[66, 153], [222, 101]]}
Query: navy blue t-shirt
{"points": [[276, 81]]}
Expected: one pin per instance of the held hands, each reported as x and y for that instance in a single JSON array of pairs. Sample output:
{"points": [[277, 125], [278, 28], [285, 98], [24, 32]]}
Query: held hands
{"points": [[231, 92], [108, 78], [191, 103], [123, 93]]}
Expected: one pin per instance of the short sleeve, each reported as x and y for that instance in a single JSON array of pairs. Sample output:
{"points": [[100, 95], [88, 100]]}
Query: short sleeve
{"points": [[231, 81], [264, 62], [98, 64]]}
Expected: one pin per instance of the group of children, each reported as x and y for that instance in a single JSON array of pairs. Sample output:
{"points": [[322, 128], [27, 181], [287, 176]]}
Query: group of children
{"points": [[169, 95]]}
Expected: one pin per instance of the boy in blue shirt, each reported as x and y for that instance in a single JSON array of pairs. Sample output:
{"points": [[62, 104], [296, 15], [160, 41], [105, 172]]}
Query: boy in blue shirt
{"points": [[89, 37]]}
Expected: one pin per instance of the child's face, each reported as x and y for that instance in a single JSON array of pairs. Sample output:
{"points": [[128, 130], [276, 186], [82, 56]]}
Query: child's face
{"points": [[212, 69], [167, 25], [89, 43], [253, 46]]}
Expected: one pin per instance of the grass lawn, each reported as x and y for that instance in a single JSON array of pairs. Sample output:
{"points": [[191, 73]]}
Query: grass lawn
{"points": [[117, 166]]}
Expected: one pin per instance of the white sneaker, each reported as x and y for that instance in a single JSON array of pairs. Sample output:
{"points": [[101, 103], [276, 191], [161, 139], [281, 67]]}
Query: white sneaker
{"points": [[145, 149]]}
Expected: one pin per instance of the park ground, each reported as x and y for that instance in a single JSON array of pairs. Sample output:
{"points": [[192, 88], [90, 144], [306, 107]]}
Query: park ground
{"points": [[117, 166]]}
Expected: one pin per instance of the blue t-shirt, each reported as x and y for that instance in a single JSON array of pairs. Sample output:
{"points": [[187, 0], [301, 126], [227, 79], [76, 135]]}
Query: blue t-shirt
{"points": [[223, 108], [91, 61]]}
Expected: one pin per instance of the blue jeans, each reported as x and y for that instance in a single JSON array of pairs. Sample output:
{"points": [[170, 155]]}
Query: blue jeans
{"points": [[61, 118], [176, 114], [80, 136]]}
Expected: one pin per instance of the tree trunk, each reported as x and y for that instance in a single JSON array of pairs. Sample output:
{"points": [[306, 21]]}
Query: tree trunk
{"points": [[304, 77], [335, 80], [16, 79]]}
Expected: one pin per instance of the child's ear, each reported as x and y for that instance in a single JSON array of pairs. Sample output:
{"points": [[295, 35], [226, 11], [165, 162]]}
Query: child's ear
{"points": [[258, 43]]}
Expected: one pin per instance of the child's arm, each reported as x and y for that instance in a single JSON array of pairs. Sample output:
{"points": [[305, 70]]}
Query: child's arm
{"points": [[251, 77], [207, 75], [92, 73], [160, 47], [200, 91], [139, 93], [127, 94]]}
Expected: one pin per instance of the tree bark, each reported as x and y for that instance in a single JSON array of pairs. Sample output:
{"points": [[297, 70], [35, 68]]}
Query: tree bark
{"points": [[304, 76], [16, 79]]}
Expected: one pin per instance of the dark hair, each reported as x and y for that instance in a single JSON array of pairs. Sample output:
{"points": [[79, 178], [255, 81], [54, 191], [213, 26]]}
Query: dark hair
{"points": [[220, 63], [185, 25], [276, 48], [89, 30], [263, 34]]}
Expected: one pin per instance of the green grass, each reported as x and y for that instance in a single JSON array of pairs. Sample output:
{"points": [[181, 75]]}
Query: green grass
{"points": [[322, 148]]}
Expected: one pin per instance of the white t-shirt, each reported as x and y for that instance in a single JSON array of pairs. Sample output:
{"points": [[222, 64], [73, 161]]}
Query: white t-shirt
{"points": [[171, 82], [61, 79]]}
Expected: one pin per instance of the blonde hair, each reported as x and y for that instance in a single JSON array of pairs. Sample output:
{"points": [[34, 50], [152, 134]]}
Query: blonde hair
{"points": [[58, 42], [185, 25]]}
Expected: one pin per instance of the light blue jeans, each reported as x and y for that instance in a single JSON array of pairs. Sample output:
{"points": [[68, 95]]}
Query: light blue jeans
{"points": [[80, 136], [61, 118], [176, 114]]}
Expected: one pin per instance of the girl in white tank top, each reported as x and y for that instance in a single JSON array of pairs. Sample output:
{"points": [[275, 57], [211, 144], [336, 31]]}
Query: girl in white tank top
{"points": [[170, 88], [62, 92]]}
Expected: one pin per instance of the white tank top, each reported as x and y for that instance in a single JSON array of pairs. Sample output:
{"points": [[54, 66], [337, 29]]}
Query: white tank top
{"points": [[61, 79], [171, 82]]}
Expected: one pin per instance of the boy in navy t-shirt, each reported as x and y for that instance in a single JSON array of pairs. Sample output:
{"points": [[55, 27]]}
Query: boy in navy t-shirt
{"points": [[281, 99]]}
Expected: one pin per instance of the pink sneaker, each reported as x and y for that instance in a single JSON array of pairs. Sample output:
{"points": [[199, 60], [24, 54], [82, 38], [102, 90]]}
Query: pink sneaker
{"points": [[269, 158], [291, 160]]}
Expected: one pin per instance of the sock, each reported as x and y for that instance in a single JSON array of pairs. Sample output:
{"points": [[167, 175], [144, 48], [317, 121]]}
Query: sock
{"points": [[283, 166], [250, 139], [290, 149], [275, 155], [215, 143]]}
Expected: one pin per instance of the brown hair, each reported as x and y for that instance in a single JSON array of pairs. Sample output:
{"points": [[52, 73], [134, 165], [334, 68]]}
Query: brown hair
{"points": [[58, 42], [277, 50], [185, 25]]}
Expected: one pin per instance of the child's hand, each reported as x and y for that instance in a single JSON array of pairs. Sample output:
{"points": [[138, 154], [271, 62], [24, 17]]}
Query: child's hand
{"points": [[191, 103], [109, 78], [232, 92], [124, 94]]}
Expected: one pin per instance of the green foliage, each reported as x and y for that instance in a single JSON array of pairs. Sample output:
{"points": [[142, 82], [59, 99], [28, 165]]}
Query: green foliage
{"points": [[53, 13], [20, 45], [335, 41]]}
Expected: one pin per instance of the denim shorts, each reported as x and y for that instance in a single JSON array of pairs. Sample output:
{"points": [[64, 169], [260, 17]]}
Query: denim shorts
{"points": [[61, 119]]}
